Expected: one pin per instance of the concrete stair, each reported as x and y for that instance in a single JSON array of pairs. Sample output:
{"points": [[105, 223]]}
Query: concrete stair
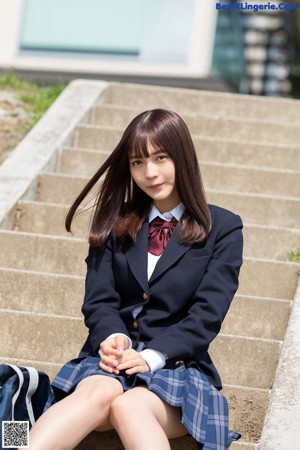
{"points": [[259, 240], [227, 151], [239, 177], [205, 125], [250, 165], [255, 208]]}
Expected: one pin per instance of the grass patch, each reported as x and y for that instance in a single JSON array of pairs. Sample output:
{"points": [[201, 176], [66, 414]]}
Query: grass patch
{"points": [[294, 256], [36, 99]]}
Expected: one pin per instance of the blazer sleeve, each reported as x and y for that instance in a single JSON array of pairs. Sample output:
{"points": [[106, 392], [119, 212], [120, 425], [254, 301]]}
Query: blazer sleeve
{"points": [[190, 337], [101, 300]]}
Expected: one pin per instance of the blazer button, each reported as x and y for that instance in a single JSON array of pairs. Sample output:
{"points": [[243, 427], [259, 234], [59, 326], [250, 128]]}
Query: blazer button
{"points": [[178, 363], [145, 296], [135, 325]]}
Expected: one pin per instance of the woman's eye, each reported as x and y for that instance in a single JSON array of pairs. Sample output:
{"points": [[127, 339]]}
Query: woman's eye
{"points": [[161, 157], [136, 163]]}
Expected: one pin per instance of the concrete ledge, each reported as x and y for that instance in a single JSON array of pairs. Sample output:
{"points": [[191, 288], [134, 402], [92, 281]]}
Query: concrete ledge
{"points": [[37, 151], [282, 428]]}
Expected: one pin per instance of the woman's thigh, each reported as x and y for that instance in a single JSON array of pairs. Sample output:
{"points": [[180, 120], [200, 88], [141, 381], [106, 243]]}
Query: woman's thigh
{"points": [[141, 401]]}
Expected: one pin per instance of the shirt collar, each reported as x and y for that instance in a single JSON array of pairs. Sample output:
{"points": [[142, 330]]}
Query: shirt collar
{"points": [[168, 215]]}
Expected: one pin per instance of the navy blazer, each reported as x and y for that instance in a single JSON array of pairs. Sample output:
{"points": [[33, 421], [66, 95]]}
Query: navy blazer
{"points": [[184, 302]]}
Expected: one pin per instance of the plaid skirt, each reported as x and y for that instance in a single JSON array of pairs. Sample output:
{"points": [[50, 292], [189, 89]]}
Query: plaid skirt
{"points": [[204, 410]]}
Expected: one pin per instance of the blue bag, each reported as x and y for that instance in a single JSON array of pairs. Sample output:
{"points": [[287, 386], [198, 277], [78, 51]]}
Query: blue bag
{"points": [[23, 393]]}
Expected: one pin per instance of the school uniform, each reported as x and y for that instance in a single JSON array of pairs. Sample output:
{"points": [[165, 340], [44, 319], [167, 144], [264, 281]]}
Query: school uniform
{"points": [[177, 312]]}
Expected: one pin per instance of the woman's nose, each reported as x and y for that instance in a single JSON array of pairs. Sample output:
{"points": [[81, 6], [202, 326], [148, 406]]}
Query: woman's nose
{"points": [[151, 170]]}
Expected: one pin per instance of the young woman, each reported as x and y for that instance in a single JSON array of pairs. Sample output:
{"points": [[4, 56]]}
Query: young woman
{"points": [[157, 292]]}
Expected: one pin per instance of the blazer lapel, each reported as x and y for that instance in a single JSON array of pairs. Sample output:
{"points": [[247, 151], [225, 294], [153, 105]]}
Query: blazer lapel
{"points": [[137, 257], [173, 251]]}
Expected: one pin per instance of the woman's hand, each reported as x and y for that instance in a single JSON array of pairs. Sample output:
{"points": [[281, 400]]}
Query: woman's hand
{"points": [[132, 362], [110, 351], [116, 356]]}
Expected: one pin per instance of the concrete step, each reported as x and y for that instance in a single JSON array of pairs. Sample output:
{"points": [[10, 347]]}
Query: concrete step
{"points": [[231, 150], [270, 242], [250, 362], [263, 181], [258, 317], [268, 278], [267, 210], [45, 218], [106, 138], [37, 292], [253, 208], [244, 361], [240, 445], [51, 369], [40, 337], [247, 408], [189, 101], [59, 255], [59, 189], [216, 175], [208, 125], [259, 209], [48, 219], [91, 137], [78, 161], [40, 292]]}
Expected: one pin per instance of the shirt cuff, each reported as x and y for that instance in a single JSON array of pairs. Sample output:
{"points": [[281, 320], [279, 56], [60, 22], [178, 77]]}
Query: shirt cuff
{"points": [[155, 359], [120, 334]]}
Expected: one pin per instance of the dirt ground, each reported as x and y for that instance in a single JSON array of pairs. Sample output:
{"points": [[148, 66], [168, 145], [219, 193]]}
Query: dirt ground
{"points": [[14, 121]]}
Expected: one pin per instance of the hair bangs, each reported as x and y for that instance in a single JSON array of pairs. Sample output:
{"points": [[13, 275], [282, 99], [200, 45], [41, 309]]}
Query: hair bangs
{"points": [[139, 143]]}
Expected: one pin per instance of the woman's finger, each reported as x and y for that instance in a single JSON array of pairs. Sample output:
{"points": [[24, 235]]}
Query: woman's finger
{"points": [[109, 361], [121, 344], [107, 368], [138, 369], [138, 363]]}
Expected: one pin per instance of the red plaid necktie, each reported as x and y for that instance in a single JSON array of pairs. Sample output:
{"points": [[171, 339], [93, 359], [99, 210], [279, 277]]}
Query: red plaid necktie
{"points": [[159, 234]]}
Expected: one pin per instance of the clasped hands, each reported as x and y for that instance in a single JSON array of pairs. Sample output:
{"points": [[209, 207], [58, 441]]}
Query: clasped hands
{"points": [[116, 356]]}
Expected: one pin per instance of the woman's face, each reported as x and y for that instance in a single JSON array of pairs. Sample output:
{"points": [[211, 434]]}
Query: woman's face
{"points": [[155, 175]]}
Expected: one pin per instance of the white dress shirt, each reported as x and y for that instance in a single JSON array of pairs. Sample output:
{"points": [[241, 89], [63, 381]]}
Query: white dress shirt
{"points": [[167, 216], [155, 359]]}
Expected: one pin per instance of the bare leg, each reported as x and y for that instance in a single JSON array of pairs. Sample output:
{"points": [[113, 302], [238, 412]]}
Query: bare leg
{"points": [[67, 422], [143, 420]]}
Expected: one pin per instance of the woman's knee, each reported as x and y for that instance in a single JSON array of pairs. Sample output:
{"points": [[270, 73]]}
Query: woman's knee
{"points": [[119, 406], [99, 390], [131, 402], [141, 405], [119, 409]]}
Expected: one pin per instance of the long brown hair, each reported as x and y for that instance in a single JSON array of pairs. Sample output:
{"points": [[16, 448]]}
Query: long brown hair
{"points": [[122, 206]]}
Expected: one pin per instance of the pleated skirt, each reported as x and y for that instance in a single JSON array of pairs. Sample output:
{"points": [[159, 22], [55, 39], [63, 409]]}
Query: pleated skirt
{"points": [[204, 410]]}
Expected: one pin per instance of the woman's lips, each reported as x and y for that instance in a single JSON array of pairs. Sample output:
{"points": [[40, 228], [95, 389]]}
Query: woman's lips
{"points": [[155, 186]]}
